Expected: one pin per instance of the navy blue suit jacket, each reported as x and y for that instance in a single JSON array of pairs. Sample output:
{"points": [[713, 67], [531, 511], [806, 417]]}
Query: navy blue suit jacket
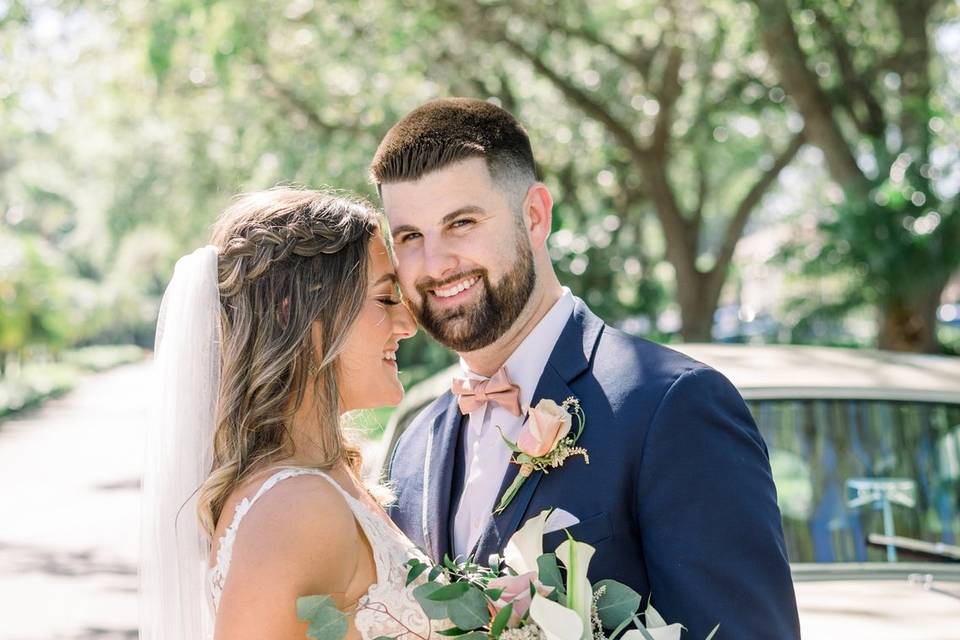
{"points": [[677, 499]]}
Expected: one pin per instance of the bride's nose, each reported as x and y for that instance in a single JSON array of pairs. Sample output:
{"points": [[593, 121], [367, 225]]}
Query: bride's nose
{"points": [[404, 326]]}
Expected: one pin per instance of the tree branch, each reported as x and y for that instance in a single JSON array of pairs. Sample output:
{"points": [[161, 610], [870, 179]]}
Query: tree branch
{"points": [[703, 187], [638, 60], [298, 103], [669, 92], [739, 221], [855, 83], [914, 54], [782, 45], [619, 130]]}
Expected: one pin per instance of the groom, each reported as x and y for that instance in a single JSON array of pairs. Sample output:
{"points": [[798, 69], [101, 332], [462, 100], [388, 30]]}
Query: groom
{"points": [[677, 498]]}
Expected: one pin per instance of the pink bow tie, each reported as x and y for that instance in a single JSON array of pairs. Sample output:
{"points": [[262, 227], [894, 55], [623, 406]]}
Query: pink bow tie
{"points": [[473, 394]]}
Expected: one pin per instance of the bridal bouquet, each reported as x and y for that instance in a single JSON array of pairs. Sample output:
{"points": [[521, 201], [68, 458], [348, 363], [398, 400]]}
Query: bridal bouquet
{"points": [[524, 596]]}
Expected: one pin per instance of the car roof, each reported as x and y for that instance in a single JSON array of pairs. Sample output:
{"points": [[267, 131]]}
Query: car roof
{"points": [[772, 372], [803, 372]]}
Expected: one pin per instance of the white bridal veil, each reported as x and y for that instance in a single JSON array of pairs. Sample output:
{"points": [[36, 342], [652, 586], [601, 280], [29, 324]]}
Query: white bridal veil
{"points": [[179, 451]]}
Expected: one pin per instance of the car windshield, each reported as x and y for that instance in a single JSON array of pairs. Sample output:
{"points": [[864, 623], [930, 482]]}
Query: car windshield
{"points": [[865, 480]]}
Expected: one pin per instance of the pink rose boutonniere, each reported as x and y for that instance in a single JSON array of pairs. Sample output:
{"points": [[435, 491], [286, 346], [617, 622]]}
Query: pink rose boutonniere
{"points": [[546, 440]]}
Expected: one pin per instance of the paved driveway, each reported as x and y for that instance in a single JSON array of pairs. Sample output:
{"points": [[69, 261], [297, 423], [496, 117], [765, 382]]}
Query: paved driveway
{"points": [[69, 520]]}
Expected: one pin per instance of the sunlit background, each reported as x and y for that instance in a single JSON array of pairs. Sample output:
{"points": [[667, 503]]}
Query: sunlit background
{"points": [[731, 171]]}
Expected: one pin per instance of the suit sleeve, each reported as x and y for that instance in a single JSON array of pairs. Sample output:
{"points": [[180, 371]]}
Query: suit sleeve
{"points": [[708, 517]]}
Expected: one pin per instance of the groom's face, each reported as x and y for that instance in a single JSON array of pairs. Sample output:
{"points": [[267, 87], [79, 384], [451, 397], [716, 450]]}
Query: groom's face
{"points": [[465, 262]]}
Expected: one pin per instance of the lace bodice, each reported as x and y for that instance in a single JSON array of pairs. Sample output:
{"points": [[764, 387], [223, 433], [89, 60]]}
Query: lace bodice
{"points": [[388, 608]]}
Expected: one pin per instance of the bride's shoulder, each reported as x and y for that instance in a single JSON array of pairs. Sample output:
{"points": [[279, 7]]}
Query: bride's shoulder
{"points": [[294, 521]]}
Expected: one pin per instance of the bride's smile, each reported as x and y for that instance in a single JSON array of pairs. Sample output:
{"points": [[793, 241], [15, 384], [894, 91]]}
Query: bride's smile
{"points": [[367, 374]]}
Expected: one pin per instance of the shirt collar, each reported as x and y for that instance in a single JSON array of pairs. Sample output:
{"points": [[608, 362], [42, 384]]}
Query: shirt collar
{"points": [[526, 364]]}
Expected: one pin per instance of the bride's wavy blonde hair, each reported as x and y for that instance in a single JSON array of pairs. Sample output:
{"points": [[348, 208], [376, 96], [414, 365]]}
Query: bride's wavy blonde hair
{"points": [[288, 257]]}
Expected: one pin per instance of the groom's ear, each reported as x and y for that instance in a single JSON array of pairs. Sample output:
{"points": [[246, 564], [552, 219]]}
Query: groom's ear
{"points": [[538, 213]]}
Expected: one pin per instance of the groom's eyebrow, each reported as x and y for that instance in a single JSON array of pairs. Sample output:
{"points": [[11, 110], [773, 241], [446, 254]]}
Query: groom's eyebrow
{"points": [[470, 208], [447, 219], [403, 228]]}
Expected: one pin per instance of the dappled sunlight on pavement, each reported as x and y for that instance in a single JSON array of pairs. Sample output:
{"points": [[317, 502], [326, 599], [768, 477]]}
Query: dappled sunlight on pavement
{"points": [[69, 533]]}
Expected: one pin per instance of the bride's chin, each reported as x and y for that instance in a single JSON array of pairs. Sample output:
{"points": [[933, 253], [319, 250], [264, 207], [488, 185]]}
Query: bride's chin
{"points": [[386, 398]]}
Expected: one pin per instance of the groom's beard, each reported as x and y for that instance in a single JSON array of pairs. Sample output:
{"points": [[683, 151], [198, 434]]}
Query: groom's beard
{"points": [[479, 323]]}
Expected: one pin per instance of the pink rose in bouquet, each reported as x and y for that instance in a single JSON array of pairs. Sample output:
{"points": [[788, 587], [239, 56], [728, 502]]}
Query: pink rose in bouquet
{"points": [[516, 590]]}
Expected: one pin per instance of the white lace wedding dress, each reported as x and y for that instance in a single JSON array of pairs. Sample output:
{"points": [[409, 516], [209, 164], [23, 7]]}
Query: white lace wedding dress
{"points": [[388, 608]]}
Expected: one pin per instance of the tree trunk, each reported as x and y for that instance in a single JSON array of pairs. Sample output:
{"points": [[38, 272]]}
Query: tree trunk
{"points": [[698, 295], [911, 324], [783, 46]]}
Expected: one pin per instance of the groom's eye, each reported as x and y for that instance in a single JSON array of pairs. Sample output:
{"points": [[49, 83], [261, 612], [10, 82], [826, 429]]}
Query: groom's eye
{"points": [[413, 235], [459, 224]]}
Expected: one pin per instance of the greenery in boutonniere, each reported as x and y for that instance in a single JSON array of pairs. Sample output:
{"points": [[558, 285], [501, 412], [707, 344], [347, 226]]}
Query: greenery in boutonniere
{"points": [[545, 442]]}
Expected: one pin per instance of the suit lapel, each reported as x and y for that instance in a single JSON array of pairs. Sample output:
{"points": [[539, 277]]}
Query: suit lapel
{"points": [[438, 479], [570, 358]]}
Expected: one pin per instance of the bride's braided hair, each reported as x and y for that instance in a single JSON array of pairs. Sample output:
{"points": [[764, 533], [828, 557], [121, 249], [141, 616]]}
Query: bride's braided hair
{"points": [[288, 257]]}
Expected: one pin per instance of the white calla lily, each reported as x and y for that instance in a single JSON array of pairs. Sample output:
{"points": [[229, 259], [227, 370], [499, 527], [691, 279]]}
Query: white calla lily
{"points": [[526, 545], [669, 632], [576, 557], [556, 621]]}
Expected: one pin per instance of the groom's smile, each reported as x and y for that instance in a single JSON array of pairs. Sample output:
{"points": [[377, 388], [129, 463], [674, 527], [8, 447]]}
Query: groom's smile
{"points": [[452, 292], [448, 293]]}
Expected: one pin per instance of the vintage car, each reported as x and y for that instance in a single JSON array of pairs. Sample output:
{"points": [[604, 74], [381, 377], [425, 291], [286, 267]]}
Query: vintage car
{"points": [[865, 451]]}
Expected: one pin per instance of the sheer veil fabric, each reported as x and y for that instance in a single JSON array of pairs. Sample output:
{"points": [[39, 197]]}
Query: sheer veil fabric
{"points": [[174, 598]]}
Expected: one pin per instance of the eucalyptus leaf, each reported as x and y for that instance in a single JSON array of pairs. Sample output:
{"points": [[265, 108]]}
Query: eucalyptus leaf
{"points": [[325, 621], [469, 611], [618, 603], [433, 609], [450, 592], [494, 594], [501, 620], [452, 632], [549, 574], [416, 571], [435, 573]]}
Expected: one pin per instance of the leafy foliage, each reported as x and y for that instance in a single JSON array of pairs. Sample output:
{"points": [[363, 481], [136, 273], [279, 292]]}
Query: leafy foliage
{"points": [[663, 131]]}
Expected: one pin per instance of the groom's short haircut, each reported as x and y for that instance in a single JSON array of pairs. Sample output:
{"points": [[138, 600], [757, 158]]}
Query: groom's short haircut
{"points": [[446, 131]]}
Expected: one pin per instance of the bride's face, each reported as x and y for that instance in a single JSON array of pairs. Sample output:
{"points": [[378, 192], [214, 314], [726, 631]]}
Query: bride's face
{"points": [[367, 372]]}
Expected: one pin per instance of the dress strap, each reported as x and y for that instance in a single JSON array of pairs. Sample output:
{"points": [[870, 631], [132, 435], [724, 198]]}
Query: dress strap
{"points": [[218, 573]]}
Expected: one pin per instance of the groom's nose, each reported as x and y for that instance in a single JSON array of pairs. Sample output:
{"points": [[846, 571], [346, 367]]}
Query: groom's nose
{"points": [[439, 261]]}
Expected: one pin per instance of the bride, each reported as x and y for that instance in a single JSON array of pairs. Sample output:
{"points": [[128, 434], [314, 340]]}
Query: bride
{"points": [[252, 494]]}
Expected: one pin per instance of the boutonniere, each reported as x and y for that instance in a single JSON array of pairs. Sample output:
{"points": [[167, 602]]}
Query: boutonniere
{"points": [[545, 442]]}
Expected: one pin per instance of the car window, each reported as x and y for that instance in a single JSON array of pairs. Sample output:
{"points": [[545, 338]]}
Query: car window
{"points": [[849, 472]]}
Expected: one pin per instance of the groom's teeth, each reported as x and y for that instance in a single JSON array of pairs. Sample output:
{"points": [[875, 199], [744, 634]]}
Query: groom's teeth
{"points": [[454, 290]]}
